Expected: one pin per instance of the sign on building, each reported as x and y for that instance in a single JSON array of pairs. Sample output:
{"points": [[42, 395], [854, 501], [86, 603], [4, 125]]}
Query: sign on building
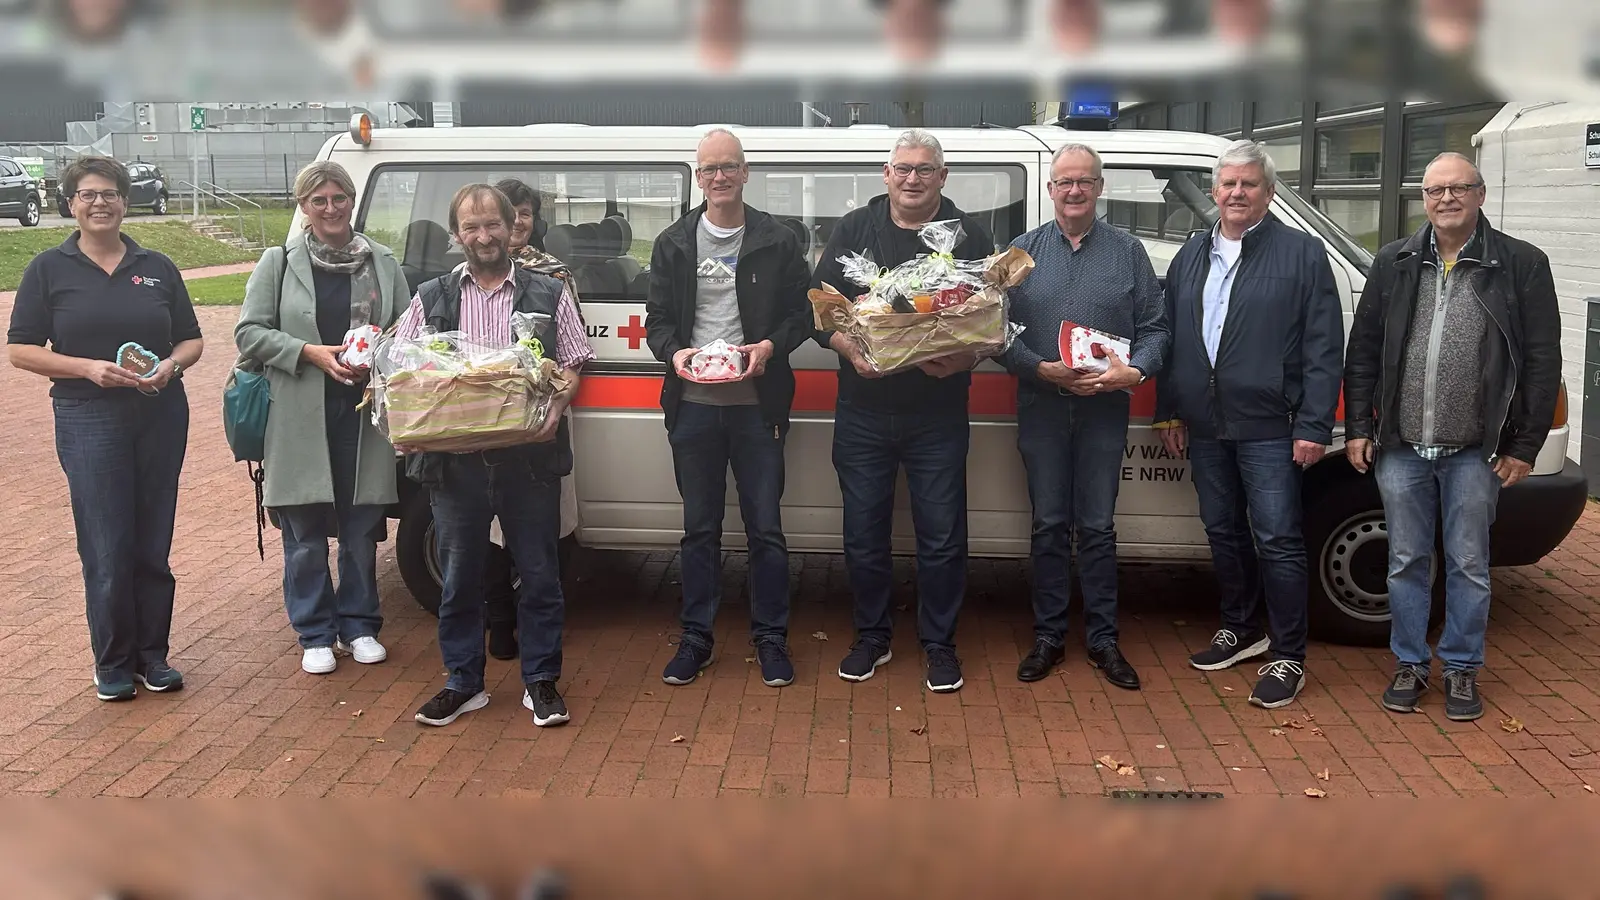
{"points": [[1591, 146]]}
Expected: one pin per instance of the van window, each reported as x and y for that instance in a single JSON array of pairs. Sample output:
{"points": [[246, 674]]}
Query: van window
{"points": [[1160, 206], [810, 200], [600, 220]]}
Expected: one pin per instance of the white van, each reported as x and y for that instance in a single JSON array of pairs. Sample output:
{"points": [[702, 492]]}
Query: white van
{"points": [[610, 190]]}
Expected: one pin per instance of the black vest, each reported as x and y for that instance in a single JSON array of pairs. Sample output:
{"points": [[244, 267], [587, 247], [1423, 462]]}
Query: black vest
{"points": [[441, 311]]}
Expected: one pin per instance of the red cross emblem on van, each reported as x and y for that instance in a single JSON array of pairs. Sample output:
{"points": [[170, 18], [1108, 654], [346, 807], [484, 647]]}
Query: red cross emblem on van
{"points": [[633, 331]]}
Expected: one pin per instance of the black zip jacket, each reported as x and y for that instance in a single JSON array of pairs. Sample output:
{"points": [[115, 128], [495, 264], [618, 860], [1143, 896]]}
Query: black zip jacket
{"points": [[1521, 358], [772, 285], [1281, 354]]}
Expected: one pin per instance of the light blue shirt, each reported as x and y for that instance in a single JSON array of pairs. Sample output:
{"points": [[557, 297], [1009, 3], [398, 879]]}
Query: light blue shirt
{"points": [[1219, 288]]}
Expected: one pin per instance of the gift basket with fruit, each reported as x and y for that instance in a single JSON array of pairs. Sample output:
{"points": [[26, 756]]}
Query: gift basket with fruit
{"points": [[927, 308], [444, 392]]}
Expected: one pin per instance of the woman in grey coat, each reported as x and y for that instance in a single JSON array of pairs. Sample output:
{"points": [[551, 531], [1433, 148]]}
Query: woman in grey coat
{"points": [[329, 472]]}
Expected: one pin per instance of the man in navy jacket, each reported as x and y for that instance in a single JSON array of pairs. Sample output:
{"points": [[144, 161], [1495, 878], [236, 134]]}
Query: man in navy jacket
{"points": [[1250, 390]]}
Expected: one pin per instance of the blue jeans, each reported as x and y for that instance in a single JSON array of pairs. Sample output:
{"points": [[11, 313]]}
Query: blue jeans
{"points": [[1249, 494], [1073, 449], [122, 454], [706, 440], [319, 612], [869, 447], [1414, 491], [476, 487]]}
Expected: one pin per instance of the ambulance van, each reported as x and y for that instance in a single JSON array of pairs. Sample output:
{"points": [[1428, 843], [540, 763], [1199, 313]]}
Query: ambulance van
{"points": [[608, 191]]}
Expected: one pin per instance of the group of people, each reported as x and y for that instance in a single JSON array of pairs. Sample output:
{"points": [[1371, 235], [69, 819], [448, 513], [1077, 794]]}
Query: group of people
{"points": [[1449, 382]]}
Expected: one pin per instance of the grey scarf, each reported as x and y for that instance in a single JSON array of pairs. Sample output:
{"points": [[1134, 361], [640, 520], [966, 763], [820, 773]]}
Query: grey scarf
{"points": [[353, 259]]}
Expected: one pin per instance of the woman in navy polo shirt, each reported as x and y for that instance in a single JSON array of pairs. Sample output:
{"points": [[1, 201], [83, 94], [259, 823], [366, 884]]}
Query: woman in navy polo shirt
{"points": [[110, 323]]}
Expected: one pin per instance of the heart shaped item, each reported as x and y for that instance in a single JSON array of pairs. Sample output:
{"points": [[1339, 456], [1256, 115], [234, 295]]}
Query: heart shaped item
{"points": [[137, 360]]}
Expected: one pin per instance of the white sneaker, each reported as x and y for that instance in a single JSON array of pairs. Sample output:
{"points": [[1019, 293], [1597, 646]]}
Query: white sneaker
{"points": [[318, 660], [366, 650]]}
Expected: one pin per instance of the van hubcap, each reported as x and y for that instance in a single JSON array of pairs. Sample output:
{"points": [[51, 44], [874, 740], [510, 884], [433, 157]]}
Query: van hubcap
{"points": [[1354, 567]]}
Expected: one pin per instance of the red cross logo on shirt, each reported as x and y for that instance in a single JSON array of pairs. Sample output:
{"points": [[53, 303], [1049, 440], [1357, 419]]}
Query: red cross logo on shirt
{"points": [[633, 331]]}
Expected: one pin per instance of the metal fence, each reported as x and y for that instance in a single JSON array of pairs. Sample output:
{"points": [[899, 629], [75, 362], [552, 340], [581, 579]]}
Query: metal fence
{"points": [[257, 164]]}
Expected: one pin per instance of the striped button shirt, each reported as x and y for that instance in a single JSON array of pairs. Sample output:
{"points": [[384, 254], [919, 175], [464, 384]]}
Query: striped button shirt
{"points": [[486, 318]]}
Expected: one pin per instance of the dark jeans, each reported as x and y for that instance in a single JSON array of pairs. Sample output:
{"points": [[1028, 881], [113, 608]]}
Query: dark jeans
{"points": [[706, 440], [319, 612], [869, 447], [1073, 449], [122, 454], [1250, 503], [476, 487]]}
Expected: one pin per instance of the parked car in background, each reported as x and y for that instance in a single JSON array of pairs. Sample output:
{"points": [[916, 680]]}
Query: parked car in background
{"points": [[19, 193], [150, 190]]}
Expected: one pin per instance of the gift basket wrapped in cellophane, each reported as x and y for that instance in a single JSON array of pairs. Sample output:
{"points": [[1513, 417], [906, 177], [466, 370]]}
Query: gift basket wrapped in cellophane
{"points": [[444, 392], [927, 308]]}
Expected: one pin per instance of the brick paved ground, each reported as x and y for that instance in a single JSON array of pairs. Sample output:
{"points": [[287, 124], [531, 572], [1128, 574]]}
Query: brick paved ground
{"points": [[252, 724]]}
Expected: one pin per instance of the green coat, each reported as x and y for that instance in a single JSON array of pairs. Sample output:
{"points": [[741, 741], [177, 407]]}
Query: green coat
{"points": [[272, 330]]}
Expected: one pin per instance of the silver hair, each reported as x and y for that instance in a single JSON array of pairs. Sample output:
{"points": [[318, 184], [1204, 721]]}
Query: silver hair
{"points": [[1085, 149], [1246, 153], [720, 130], [917, 139], [1477, 174]]}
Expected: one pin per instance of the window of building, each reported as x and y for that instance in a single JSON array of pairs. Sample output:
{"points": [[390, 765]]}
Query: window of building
{"points": [[1225, 118], [1285, 153], [600, 220], [1350, 151], [1429, 136], [1277, 113], [1357, 216]]}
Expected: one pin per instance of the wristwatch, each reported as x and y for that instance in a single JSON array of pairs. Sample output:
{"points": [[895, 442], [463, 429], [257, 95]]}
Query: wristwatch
{"points": [[1142, 376], [177, 369]]}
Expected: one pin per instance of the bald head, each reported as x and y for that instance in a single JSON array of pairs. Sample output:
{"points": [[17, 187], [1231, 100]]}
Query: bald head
{"points": [[1456, 162]]}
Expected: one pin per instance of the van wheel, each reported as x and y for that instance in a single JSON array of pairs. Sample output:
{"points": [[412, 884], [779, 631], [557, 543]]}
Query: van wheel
{"points": [[414, 550], [1347, 554]]}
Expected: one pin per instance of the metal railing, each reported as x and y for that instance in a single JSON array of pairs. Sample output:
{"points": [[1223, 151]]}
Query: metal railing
{"points": [[206, 194], [261, 216]]}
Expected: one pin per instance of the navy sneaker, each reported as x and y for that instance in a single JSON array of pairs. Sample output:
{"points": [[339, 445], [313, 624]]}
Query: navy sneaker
{"points": [[1404, 694], [448, 705], [546, 703], [114, 689], [944, 670], [1281, 681], [160, 677], [773, 655], [691, 660], [1462, 703], [863, 660]]}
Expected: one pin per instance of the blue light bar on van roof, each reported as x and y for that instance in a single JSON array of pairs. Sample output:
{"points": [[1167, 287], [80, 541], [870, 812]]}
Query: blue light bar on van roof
{"points": [[1079, 109]]}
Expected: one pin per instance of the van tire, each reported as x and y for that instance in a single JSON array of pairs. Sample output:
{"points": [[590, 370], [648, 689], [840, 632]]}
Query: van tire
{"points": [[414, 550], [1347, 561]]}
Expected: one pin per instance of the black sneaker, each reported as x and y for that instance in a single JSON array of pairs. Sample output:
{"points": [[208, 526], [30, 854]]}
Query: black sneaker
{"points": [[773, 655], [546, 703], [503, 640], [1281, 681], [1229, 648], [114, 690], [864, 659], [447, 706], [688, 664], [1406, 689], [1044, 657], [160, 677], [1461, 700], [944, 671]]}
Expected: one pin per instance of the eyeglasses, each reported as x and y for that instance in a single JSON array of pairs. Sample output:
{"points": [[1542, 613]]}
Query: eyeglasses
{"points": [[728, 169], [1457, 191], [337, 200], [1083, 184], [91, 196], [904, 170]]}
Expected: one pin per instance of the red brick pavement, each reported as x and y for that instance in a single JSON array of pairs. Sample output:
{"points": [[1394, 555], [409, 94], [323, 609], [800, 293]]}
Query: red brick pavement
{"points": [[252, 724]]}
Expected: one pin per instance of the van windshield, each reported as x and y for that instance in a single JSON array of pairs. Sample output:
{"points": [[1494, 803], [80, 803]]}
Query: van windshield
{"points": [[1336, 237]]}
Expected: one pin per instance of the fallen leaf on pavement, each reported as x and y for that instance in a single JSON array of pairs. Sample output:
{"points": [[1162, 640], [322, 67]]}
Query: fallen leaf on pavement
{"points": [[1316, 731], [678, 739], [357, 714], [1226, 688], [1511, 725], [1589, 789], [1110, 762], [288, 759], [1316, 792], [1219, 743], [1325, 775], [820, 635], [749, 659], [379, 740], [1577, 753], [1275, 732], [1291, 723], [1160, 779], [920, 729]]}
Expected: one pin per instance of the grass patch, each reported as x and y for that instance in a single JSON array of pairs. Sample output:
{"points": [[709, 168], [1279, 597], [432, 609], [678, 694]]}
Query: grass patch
{"points": [[219, 290], [18, 247]]}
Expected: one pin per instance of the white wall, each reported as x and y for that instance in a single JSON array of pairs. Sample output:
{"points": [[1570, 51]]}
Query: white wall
{"points": [[1540, 191]]}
